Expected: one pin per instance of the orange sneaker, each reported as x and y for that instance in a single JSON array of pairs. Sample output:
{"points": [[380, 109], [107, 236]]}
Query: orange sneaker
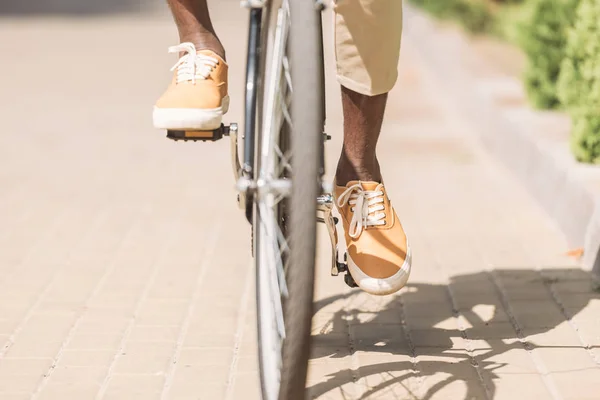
{"points": [[197, 97], [379, 258]]}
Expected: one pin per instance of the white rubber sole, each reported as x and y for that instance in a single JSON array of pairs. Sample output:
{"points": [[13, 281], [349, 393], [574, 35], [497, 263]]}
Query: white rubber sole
{"points": [[190, 118], [381, 287]]}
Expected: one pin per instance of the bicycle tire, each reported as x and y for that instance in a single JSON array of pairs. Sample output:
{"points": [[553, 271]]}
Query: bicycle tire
{"points": [[297, 215], [307, 143]]}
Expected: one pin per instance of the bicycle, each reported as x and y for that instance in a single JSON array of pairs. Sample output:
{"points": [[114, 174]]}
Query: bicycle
{"points": [[280, 181]]}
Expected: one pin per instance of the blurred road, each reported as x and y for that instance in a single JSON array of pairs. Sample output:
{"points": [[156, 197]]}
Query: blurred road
{"points": [[125, 267], [78, 7]]}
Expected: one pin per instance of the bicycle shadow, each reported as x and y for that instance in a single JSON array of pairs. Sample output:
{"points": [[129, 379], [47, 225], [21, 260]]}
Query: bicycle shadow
{"points": [[75, 7], [416, 325]]}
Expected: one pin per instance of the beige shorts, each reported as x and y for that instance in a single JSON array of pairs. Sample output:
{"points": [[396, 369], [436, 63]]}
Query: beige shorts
{"points": [[367, 44]]}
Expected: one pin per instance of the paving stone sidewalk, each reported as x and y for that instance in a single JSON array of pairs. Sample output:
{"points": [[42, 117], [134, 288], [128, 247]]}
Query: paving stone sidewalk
{"points": [[125, 267]]}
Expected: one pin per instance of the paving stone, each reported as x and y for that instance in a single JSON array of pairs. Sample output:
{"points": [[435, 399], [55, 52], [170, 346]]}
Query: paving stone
{"points": [[71, 390]]}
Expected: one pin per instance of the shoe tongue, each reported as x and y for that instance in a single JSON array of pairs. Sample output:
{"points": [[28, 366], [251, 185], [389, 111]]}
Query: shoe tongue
{"points": [[366, 185], [210, 53]]}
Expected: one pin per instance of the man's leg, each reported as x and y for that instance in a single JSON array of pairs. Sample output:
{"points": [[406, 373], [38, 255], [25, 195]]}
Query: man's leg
{"points": [[367, 42], [363, 116], [368, 34], [194, 25]]}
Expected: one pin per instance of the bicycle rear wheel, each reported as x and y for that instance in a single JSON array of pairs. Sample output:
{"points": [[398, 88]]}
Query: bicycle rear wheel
{"points": [[289, 176]]}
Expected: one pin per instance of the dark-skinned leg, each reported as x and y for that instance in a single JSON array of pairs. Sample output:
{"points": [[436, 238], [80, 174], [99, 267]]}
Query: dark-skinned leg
{"points": [[363, 117], [194, 25]]}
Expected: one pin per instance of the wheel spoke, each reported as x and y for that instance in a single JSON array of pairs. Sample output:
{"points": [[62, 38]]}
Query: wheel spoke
{"points": [[274, 261], [286, 72], [284, 160]]}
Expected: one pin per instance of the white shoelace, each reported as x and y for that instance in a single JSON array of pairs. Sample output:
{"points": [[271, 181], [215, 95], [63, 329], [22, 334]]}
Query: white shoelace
{"points": [[192, 66], [365, 205]]}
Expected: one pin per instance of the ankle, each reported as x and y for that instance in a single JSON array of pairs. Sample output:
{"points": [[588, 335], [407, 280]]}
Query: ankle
{"points": [[347, 171], [206, 42]]}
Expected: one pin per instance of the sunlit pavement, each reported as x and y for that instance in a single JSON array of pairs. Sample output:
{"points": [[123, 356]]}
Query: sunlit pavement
{"points": [[125, 267]]}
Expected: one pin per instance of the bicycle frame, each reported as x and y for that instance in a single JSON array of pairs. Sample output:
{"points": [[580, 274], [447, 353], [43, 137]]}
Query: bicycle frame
{"points": [[255, 67], [252, 104]]}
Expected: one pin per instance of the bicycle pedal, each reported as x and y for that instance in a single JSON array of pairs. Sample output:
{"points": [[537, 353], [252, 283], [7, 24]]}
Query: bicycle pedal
{"points": [[350, 280], [204, 136]]}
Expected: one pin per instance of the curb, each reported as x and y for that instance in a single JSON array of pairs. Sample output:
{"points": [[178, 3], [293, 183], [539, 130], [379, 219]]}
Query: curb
{"points": [[533, 145]]}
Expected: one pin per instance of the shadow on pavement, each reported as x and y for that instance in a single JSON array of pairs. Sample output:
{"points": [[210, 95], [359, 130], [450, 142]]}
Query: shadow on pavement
{"points": [[356, 329], [75, 7]]}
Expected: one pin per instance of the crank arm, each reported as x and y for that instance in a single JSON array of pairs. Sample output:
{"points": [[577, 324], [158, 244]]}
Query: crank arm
{"points": [[325, 206]]}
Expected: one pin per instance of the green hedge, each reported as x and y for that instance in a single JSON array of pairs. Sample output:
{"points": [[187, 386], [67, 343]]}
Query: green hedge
{"points": [[496, 17], [579, 82], [475, 15], [543, 37], [561, 39]]}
